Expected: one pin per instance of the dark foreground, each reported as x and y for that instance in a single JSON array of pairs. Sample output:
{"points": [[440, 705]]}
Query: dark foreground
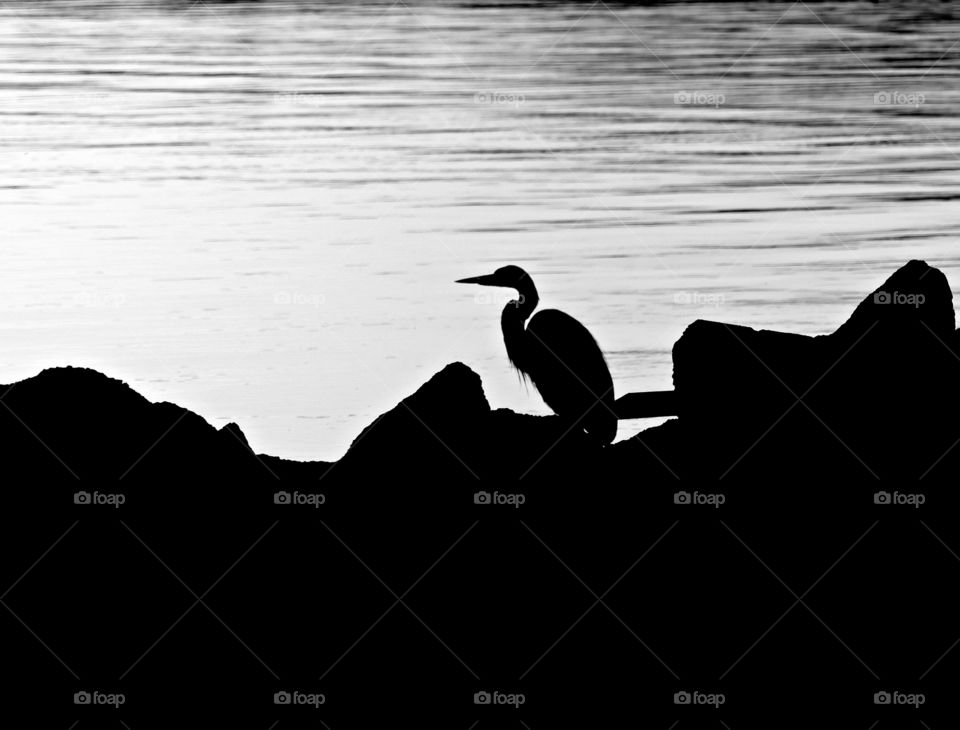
{"points": [[789, 543]]}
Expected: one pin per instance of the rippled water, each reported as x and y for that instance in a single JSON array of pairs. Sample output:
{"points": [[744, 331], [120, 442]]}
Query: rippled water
{"points": [[258, 210]]}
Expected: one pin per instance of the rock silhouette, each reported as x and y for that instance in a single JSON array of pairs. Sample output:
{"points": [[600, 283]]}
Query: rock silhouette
{"points": [[876, 399], [872, 400], [77, 423], [302, 587]]}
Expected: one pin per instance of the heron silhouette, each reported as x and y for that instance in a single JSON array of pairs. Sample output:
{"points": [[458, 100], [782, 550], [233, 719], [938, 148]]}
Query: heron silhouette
{"points": [[558, 354]]}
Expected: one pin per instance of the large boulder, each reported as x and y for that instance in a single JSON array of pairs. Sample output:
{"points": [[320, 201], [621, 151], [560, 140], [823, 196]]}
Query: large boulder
{"points": [[875, 399], [445, 433], [428, 435], [77, 425]]}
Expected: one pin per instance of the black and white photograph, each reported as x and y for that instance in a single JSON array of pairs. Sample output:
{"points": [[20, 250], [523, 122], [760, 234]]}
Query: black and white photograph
{"points": [[479, 364]]}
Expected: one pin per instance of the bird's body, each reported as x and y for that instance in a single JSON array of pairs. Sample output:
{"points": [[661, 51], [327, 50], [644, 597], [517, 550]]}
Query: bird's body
{"points": [[558, 354]]}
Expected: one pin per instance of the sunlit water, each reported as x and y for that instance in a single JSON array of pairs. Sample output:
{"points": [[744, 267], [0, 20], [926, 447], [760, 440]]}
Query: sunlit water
{"points": [[258, 211]]}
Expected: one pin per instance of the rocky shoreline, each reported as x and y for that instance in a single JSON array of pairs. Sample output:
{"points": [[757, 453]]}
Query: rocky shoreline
{"points": [[874, 400]]}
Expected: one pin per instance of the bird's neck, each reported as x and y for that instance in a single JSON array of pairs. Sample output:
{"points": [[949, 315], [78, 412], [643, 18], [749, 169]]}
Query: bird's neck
{"points": [[515, 314]]}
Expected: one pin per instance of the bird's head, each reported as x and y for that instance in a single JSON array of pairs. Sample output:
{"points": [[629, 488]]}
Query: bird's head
{"points": [[512, 277]]}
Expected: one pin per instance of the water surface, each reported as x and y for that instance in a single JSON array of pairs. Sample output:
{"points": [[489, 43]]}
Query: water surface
{"points": [[258, 210]]}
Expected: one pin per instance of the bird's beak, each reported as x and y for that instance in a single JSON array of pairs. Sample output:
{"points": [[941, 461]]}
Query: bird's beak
{"points": [[488, 280]]}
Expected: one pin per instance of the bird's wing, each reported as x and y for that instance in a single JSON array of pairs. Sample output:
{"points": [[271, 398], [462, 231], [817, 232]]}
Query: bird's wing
{"points": [[568, 368]]}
